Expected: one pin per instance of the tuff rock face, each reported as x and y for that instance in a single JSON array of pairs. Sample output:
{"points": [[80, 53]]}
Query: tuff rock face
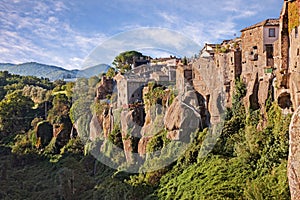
{"points": [[101, 126], [62, 132], [96, 127], [131, 122], [294, 156], [183, 116]]}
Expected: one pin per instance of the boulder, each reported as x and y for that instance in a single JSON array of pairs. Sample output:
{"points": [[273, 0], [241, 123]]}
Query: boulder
{"points": [[294, 156]]}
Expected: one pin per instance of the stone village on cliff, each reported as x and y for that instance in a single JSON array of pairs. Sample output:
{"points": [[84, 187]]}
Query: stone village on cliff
{"points": [[266, 58]]}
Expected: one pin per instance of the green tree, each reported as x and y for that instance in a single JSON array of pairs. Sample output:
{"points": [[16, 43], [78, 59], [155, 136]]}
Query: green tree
{"points": [[60, 110], [125, 59], [110, 72], [16, 113]]}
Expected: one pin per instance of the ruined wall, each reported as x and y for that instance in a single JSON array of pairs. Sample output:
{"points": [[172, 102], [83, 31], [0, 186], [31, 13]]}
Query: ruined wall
{"points": [[129, 90]]}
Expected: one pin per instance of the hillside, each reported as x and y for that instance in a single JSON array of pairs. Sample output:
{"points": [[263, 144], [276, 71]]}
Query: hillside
{"points": [[50, 71]]}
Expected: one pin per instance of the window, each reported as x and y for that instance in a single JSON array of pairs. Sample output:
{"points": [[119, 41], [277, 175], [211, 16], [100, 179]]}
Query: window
{"points": [[296, 32], [271, 32]]}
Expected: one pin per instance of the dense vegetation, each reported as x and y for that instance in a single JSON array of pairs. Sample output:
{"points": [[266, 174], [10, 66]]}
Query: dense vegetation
{"points": [[247, 162]]}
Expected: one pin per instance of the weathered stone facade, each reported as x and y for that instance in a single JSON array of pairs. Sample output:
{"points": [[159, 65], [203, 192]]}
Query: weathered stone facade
{"points": [[287, 85], [294, 62], [129, 89], [184, 77], [214, 76], [258, 52]]}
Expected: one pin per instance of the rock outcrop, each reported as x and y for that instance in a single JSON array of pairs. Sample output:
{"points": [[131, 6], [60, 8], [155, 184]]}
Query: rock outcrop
{"points": [[44, 134], [132, 122], [96, 130], [294, 156], [62, 132], [183, 117], [101, 126]]}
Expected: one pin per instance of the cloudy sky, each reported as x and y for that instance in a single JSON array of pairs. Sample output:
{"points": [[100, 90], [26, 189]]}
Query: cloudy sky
{"points": [[65, 33]]}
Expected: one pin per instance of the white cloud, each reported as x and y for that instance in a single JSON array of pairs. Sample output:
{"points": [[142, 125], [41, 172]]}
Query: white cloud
{"points": [[169, 17], [33, 32], [153, 39], [39, 31]]}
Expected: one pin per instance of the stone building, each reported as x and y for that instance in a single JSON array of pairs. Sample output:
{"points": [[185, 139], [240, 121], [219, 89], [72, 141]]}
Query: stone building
{"points": [[160, 67], [258, 48], [129, 89], [105, 88], [229, 59], [218, 71], [208, 50], [287, 84], [184, 77], [130, 86]]}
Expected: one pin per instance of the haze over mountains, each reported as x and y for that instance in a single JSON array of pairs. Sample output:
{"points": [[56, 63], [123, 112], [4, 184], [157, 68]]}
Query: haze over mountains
{"points": [[50, 71]]}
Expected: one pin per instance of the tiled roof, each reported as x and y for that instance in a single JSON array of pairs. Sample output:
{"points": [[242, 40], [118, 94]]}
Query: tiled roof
{"points": [[267, 22]]}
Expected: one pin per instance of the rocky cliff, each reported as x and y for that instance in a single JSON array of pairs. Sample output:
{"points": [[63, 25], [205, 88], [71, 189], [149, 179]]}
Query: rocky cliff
{"points": [[294, 156]]}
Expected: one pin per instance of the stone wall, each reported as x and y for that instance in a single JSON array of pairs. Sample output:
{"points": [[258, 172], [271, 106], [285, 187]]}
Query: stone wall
{"points": [[256, 67], [287, 86], [209, 82], [105, 88]]}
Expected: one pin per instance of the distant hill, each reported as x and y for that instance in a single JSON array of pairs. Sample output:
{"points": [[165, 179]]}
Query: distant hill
{"points": [[92, 71], [51, 72]]}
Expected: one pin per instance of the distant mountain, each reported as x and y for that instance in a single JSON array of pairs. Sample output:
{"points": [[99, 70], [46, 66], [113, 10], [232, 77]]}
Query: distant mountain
{"points": [[92, 71], [51, 72]]}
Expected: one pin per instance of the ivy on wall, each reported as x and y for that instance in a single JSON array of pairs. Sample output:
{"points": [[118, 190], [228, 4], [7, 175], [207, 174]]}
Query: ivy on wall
{"points": [[293, 15]]}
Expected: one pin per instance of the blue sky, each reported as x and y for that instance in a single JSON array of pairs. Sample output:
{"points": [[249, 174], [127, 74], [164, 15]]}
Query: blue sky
{"points": [[65, 33]]}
